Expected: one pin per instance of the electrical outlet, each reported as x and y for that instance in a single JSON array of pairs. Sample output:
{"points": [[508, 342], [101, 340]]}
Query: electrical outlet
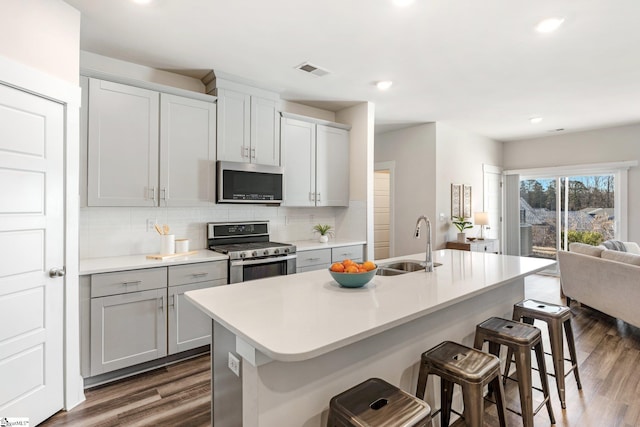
{"points": [[234, 364], [151, 222]]}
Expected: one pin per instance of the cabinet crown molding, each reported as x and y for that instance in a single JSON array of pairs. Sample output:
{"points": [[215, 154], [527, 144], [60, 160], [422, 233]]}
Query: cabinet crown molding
{"points": [[314, 120]]}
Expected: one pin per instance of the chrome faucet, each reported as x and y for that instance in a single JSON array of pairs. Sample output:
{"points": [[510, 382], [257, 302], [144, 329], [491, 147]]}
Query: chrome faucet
{"points": [[429, 260]]}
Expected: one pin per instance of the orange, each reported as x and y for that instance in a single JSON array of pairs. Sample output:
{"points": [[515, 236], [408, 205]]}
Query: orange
{"points": [[362, 270], [368, 265], [347, 262], [351, 269], [337, 267]]}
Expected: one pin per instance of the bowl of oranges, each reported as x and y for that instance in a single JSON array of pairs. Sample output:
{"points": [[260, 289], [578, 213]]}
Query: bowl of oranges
{"points": [[350, 274]]}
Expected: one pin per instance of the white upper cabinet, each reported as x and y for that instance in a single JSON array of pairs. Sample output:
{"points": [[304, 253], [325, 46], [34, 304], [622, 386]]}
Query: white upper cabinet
{"points": [[332, 166], [123, 145], [315, 157], [187, 151], [248, 126], [147, 148], [299, 161]]}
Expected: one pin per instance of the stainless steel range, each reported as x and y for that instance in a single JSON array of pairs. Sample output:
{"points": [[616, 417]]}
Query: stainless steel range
{"points": [[251, 254]]}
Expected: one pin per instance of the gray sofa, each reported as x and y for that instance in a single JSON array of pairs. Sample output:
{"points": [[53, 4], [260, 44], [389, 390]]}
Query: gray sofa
{"points": [[604, 279]]}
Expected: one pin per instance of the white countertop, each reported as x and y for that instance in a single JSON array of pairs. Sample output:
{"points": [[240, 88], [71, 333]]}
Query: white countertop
{"points": [[131, 262], [301, 316], [309, 245]]}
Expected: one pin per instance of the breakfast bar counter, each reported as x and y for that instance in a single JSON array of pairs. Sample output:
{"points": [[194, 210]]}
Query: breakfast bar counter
{"points": [[303, 339]]}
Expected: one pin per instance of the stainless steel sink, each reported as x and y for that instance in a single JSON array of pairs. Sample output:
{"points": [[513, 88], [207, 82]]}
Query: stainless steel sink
{"points": [[402, 267], [407, 266], [388, 272]]}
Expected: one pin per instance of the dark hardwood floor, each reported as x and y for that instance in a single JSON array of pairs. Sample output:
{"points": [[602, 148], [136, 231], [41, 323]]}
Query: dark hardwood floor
{"points": [[608, 353]]}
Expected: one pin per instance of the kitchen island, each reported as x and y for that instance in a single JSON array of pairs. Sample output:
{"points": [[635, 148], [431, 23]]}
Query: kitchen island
{"points": [[303, 339]]}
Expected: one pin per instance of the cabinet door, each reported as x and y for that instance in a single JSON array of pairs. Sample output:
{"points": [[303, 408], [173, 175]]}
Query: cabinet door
{"points": [[187, 151], [234, 133], [128, 329], [332, 166], [188, 326], [265, 132], [122, 145], [298, 159], [353, 253]]}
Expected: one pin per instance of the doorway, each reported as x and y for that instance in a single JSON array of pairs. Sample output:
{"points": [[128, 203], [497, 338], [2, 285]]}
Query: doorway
{"points": [[382, 212]]}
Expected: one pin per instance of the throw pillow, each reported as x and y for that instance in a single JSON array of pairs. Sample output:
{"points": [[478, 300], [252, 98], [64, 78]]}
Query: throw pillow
{"points": [[624, 257], [584, 249], [632, 247]]}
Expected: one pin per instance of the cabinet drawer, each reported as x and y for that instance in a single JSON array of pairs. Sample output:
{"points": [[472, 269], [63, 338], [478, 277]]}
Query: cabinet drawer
{"points": [[122, 282], [315, 257], [351, 252], [200, 272], [311, 268]]}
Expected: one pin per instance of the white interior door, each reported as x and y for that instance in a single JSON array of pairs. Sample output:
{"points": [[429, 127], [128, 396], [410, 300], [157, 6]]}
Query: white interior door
{"points": [[31, 243], [493, 201], [382, 214]]}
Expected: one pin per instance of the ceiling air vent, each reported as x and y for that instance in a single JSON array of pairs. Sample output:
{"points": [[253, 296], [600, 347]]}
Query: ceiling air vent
{"points": [[312, 69]]}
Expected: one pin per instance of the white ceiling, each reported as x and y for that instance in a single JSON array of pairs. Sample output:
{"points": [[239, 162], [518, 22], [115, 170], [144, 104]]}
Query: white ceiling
{"points": [[478, 65]]}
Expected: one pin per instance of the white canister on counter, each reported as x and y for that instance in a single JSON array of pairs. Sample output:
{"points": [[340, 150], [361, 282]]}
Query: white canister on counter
{"points": [[167, 244], [182, 246]]}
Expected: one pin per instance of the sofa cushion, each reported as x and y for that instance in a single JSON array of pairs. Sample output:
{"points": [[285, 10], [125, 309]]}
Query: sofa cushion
{"points": [[624, 257], [632, 247], [584, 249]]}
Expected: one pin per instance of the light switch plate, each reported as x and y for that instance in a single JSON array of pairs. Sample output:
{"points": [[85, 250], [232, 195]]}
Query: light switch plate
{"points": [[234, 364]]}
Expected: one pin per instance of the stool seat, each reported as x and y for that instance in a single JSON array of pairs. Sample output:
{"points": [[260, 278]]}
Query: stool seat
{"points": [[520, 339], [472, 370], [376, 403], [556, 317]]}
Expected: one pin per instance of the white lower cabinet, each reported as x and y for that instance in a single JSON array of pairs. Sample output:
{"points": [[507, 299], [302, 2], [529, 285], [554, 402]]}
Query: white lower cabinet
{"points": [[128, 329], [137, 316], [188, 327], [354, 253], [316, 259]]}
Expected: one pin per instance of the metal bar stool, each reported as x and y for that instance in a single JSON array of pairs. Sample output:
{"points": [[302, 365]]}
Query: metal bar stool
{"points": [[472, 370], [376, 403], [555, 317], [520, 338]]}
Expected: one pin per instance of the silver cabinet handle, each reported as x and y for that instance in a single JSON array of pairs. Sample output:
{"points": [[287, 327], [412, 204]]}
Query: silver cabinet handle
{"points": [[245, 151], [161, 299], [172, 301], [253, 153], [163, 194], [318, 198], [133, 282], [313, 259], [153, 193], [199, 274], [57, 272], [312, 197]]}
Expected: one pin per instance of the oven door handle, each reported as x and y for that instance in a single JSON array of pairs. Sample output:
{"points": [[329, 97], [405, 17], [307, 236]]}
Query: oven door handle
{"points": [[269, 260]]}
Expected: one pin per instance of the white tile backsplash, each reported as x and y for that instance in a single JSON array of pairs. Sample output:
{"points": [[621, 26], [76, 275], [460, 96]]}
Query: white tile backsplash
{"points": [[114, 231]]}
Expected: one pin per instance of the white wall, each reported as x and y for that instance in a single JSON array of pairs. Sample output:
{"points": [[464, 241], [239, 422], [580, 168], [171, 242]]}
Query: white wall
{"points": [[597, 146], [459, 158], [414, 183], [356, 222], [42, 34]]}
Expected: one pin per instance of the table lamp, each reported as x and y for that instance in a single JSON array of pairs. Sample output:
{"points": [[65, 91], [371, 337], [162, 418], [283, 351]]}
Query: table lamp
{"points": [[481, 219]]}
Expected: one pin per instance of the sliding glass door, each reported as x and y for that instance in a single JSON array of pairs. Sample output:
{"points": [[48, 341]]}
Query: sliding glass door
{"points": [[583, 210]]}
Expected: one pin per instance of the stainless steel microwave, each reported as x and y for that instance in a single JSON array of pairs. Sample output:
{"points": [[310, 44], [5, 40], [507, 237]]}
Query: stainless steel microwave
{"points": [[249, 183]]}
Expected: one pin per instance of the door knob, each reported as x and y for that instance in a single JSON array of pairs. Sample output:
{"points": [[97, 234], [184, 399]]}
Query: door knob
{"points": [[56, 272]]}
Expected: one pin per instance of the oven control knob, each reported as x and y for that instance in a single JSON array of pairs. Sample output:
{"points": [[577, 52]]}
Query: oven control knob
{"points": [[285, 250], [254, 253], [276, 251], [266, 252], [242, 254]]}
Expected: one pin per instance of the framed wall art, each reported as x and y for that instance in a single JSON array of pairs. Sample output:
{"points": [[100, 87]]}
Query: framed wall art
{"points": [[466, 201], [456, 200]]}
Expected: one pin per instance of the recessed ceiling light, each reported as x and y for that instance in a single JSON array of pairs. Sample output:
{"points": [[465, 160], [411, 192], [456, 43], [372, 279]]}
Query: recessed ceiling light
{"points": [[403, 3], [384, 85], [535, 120], [142, 1], [549, 25]]}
